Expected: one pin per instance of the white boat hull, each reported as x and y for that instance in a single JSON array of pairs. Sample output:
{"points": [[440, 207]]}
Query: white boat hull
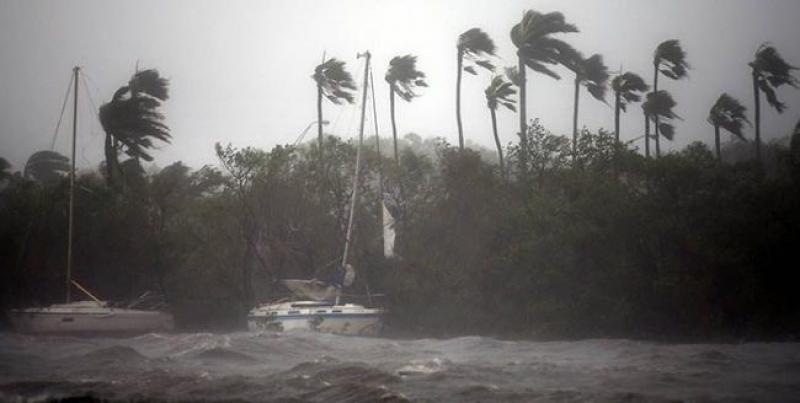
{"points": [[348, 319], [87, 318]]}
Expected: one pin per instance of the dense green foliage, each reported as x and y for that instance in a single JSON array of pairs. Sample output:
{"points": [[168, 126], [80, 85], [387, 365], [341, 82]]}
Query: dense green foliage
{"points": [[611, 244]]}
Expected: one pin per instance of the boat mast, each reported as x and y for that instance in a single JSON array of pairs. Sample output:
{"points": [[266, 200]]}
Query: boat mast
{"points": [[75, 72], [349, 236]]}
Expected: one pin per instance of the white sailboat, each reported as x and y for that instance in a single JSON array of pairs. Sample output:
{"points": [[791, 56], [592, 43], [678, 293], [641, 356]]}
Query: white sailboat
{"points": [[317, 305], [87, 317]]}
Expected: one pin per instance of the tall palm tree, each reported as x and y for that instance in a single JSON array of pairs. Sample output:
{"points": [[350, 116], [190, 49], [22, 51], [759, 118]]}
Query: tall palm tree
{"points": [[46, 166], [499, 92], [592, 74], [627, 89], [668, 59], [131, 119], [770, 71], [404, 80], [538, 50], [336, 84], [657, 106], [728, 114], [475, 46]]}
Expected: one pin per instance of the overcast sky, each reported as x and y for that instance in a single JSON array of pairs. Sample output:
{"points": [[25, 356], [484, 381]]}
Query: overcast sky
{"points": [[240, 70]]}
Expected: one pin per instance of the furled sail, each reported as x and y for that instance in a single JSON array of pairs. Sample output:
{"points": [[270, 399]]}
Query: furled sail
{"points": [[388, 231]]}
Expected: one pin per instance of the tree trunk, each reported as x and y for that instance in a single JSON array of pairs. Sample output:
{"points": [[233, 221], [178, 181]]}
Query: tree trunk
{"points": [[320, 138], [616, 115], [716, 142], [109, 151], [497, 143], [458, 100], [394, 126], [757, 118], [657, 120], [523, 130], [575, 120], [646, 136]]}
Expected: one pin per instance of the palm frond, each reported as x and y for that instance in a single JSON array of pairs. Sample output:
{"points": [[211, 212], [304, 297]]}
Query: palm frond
{"points": [[728, 113], [629, 86], [475, 43], [46, 166], [404, 77], [500, 92], [670, 58], [335, 81], [535, 45], [772, 71], [151, 83]]}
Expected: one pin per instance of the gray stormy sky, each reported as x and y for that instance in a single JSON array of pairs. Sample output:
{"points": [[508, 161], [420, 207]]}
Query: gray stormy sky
{"points": [[240, 70]]}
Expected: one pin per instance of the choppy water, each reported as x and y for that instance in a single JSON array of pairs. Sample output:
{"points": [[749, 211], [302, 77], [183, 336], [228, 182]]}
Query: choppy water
{"points": [[300, 367]]}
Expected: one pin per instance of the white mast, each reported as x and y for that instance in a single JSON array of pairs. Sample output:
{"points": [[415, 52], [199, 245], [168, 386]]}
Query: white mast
{"points": [[75, 72]]}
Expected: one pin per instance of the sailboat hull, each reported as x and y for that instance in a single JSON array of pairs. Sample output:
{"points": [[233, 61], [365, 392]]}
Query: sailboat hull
{"points": [[88, 318], [346, 319]]}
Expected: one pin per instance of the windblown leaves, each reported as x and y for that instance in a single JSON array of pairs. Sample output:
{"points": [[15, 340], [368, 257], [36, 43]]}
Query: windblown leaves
{"points": [[500, 92], [335, 82], [670, 59], [404, 78], [591, 73], [729, 114], [629, 86], [771, 71], [536, 47], [659, 105], [477, 47], [46, 166]]}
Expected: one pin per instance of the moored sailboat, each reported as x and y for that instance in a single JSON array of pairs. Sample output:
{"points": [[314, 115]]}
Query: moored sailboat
{"points": [[316, 305], [93, 316]]}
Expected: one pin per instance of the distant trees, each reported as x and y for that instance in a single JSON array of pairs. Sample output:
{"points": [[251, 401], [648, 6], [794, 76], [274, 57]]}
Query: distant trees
{"points": [[538, 50], [404, 79], [669, 59], [627, 88], [769, 72], [132, 120], [728, 114], [335, 83], [476, 47], [499, 92], [592, 74]]}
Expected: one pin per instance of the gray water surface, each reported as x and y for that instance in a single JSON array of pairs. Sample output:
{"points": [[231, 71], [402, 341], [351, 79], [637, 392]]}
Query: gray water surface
{"points": [[303, 366]]}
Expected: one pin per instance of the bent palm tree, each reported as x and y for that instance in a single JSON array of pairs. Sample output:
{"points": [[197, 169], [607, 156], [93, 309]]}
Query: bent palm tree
{"points": [[46, 166], [668, 59], [770, 71], [336, 84], [499, 92], [657, 106], [131, 119], [536, 49], [728, 114], [627, 89], [475, 46], [592, 74], [404, 79]]}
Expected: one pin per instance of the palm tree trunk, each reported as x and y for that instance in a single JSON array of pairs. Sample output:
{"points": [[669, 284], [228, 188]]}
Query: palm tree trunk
{"points": [[757, 118], [616, 116], [716, 142], [646, 136], [523, 130], [109, 151], [575, 120], [497, 143], [458, 99], [320, 138], [657, 120], [394, 127]]}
